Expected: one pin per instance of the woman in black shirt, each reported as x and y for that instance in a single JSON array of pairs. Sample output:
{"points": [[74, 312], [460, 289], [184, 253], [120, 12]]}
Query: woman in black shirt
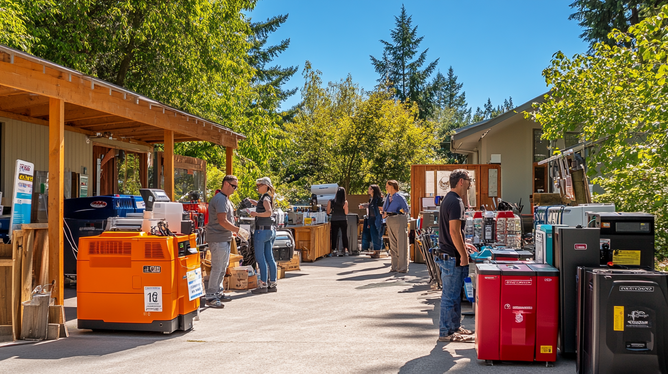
{"points": [[338, 208], [375, 219]]}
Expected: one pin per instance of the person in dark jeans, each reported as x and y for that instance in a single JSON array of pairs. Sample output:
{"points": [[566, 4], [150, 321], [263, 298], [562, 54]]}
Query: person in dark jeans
{"points": [[374, 220], [264, 236], [452, 258], [338, 209]]}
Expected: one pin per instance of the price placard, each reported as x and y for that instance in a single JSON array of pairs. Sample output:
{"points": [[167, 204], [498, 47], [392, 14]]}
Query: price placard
{"points": [[153, 299], [195, 287]]}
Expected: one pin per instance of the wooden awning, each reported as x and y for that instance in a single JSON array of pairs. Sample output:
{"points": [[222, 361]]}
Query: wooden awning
{"points": [[95, 107]]}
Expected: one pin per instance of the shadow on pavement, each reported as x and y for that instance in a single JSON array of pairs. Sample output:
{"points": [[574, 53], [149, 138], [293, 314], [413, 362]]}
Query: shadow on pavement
{"points": [[85, 343], [439, 360]]}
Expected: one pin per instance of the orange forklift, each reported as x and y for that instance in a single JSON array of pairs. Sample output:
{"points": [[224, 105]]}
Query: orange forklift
{"points": [[147, 280]]}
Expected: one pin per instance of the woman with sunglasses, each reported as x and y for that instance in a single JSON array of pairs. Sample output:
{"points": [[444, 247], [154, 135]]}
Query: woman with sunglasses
{"points": [[264, 236]]}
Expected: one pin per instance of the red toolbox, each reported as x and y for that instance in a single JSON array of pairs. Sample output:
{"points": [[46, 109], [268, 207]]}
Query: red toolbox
{"points": [[518, 312], [547, 308], [487, 311]]}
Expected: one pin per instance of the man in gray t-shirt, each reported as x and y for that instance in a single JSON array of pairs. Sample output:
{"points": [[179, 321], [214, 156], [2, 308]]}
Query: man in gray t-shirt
{"points": [[219, 236]]}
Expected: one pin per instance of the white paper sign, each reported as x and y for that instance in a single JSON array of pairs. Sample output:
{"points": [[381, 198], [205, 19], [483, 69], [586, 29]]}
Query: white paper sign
{"points": [[153, 299], [195, 288]]}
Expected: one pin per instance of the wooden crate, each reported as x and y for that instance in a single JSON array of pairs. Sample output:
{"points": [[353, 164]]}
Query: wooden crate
{"points": [[313, 241], [291, 265], [23, 265]]}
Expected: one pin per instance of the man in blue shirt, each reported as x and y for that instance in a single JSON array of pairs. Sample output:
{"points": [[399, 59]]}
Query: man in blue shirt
{"points": [[395, 210]]}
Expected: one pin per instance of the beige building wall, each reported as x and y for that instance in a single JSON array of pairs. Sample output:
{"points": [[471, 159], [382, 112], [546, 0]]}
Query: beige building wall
{"points": [[30, 142], [513, 140]]}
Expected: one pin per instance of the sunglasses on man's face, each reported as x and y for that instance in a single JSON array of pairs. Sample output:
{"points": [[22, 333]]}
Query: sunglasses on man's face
{"points": [[235, 186]]}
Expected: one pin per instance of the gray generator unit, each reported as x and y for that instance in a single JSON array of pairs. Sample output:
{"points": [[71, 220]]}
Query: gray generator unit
{"points": [[622, 321], [573, 247], [284, 246]]}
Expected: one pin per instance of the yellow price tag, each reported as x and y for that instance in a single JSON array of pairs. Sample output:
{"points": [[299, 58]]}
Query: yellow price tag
{"points": [[626, 257], [545, 349], [618, 324]]}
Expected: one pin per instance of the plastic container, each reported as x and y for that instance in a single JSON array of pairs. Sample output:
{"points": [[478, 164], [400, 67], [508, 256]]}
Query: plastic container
{"points": [[170, 212], [477, 227], [489, 227], [468, 230]]}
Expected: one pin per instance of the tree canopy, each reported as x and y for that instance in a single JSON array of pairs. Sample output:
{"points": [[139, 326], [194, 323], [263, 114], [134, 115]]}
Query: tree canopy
{"points": [[616, 97], [400, 66], [343, 135], [598, 18]]}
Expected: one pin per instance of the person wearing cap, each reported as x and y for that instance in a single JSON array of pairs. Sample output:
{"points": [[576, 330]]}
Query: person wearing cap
{"points": [[264, 235], [395, 212], [452, 258], [219, 236]]}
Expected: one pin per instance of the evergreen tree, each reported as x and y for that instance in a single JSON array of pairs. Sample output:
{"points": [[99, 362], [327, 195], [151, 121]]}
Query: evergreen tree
{"points": [[269, 81], [479, 115], [599, 17], [400, 66], [489, 109]]}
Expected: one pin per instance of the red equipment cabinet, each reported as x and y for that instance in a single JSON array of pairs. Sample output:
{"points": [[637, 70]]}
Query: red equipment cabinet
{"points": [[518, 312], [487, 312], [547, 310]]}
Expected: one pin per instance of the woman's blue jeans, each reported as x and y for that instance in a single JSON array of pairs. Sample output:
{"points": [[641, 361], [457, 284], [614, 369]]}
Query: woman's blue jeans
{"points": [[376, 237], [263, 242]]}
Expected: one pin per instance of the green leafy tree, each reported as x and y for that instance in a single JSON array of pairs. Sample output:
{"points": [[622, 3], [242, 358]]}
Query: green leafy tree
{"points": [[598, 18], [344, 135], [616, 97], [401, 65]]}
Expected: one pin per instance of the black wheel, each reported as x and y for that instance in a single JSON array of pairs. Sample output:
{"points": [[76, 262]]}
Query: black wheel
{"points": [[549, 364], [489, 362]]}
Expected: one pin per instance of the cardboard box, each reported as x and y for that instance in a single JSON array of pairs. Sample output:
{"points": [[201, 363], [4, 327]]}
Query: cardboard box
{"points": [[292, 264], [280, 272], [242, 278]]}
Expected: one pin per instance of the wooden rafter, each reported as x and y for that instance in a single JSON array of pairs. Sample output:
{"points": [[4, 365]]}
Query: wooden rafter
{"points": [[100, 96]]}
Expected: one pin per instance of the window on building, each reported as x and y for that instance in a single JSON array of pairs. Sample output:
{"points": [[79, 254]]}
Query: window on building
{"points": [[571, 139], [540, 146]]}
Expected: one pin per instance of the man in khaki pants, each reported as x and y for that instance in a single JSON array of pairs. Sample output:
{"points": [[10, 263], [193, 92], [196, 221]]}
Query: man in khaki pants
{"points": [[395, 210]]}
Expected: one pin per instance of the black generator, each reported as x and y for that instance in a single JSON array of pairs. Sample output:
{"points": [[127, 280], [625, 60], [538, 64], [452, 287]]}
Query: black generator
{"points": [[627, 239], [573, 247], [622, 321]]}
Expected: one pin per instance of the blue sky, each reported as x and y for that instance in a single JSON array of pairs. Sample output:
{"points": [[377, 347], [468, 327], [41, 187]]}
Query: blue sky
{"points": [[496, 48]]}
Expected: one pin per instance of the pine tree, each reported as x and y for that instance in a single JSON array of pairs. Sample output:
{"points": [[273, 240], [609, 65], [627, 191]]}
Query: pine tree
{"points": [[598, 17], [400, 66], [269, 81]]}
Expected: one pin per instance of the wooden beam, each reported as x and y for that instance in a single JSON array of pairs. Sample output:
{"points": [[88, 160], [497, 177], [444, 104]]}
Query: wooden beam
{"points": [[7, 91], [28, 76], [56, 211], [25, 100], [169, 164], [229, 156], [41, 122]]}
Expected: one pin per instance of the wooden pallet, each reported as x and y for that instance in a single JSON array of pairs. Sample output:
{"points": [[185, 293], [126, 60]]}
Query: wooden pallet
{"points": [[24, 264]]}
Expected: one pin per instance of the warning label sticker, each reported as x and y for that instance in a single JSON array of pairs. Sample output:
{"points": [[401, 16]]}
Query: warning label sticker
{"points": [[545, 349], [618, 323], [626, 257]]}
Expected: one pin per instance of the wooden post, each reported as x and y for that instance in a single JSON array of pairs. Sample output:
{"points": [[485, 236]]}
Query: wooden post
{"points": [[169, 164], [229, 155], [56, 191]]}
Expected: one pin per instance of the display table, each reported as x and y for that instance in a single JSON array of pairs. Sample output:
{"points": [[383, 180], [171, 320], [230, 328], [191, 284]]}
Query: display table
{"points": [[312, 240]]}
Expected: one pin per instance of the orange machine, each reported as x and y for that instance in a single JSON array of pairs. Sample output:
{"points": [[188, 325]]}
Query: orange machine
{"points": [[136, 281]]}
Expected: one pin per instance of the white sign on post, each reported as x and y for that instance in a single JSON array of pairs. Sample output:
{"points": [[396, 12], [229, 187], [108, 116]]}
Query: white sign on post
{"points": [[22, 195], [153, 299], [195, 288]]}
